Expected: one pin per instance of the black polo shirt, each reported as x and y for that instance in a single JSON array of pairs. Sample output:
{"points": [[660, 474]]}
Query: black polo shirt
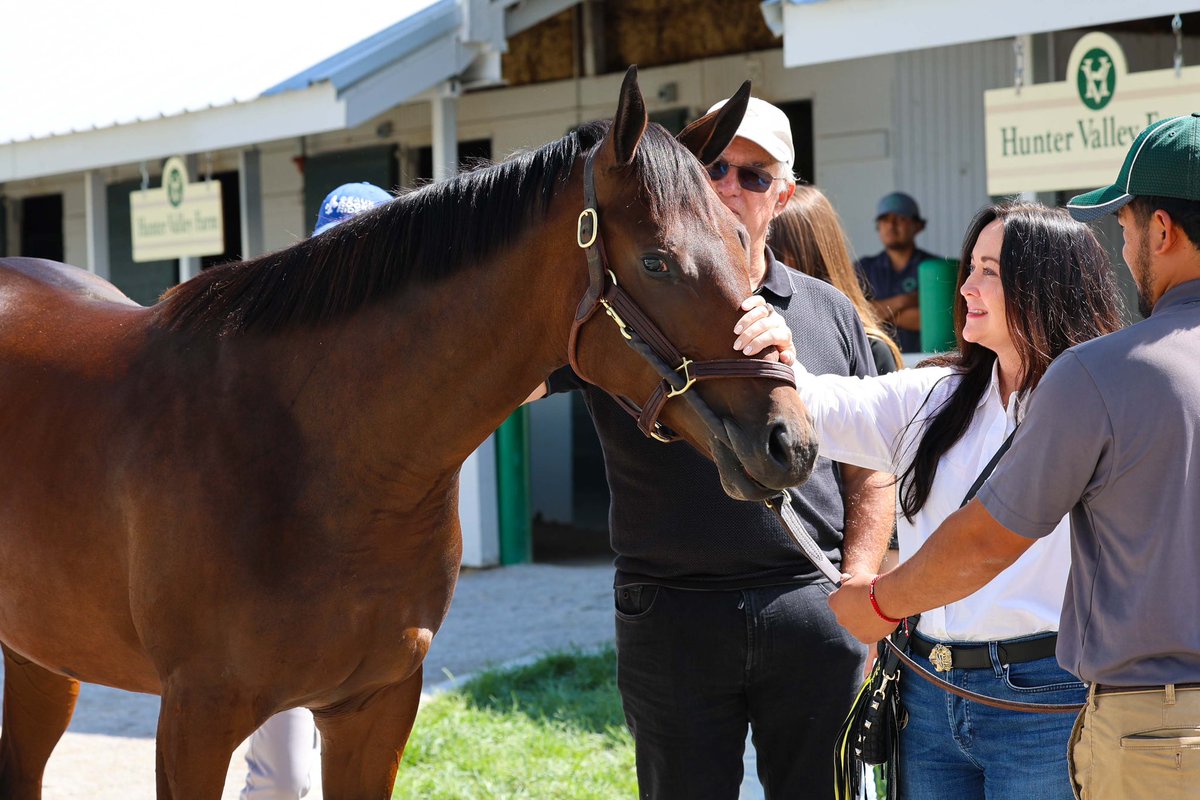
{"points": [[670, 521]]}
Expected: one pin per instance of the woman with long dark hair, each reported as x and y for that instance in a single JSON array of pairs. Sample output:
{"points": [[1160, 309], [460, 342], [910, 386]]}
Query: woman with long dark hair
{"points": [[1032, 283]]}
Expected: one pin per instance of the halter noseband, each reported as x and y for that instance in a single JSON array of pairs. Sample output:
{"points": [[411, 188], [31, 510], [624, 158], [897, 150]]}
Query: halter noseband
{"points": [[679, 373]]}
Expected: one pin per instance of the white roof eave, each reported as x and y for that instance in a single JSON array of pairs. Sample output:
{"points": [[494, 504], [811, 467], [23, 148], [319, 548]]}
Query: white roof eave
{"points": [[835, 30], [296, 113]]}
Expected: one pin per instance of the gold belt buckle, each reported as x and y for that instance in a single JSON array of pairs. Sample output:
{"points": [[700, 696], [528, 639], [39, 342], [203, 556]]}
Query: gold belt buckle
{"points": [[941, 658]]}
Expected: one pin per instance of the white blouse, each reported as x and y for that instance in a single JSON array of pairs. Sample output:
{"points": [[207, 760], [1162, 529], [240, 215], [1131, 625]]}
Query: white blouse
{"points": [[865, 422]]}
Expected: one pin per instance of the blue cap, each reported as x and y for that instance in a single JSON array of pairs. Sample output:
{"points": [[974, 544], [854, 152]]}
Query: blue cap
{"points": [[346, 201], [900, 204]]}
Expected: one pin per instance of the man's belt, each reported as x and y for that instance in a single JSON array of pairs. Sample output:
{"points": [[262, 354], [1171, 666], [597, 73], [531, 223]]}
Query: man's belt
{"points": [[1179, 687], [978, 656]]}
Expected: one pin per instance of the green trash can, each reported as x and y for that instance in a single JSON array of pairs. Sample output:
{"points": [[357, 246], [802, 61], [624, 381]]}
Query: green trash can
{"points": [[936, 279]]}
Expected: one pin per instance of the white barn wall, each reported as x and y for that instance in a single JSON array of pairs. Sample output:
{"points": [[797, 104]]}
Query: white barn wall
{"points": [[938, 129], [283, 195], [74, 223], [851, 137]]}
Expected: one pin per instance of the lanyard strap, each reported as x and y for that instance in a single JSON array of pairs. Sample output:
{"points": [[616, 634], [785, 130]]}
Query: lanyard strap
{"points": [[987, 471]]}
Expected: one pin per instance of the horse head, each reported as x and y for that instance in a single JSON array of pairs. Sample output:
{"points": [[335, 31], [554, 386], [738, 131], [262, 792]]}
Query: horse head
{"points": [[668, 245]]}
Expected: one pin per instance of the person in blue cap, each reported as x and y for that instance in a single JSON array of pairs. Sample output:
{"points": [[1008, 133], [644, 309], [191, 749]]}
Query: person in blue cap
{"points": [[283, 752], [346, 201], [891, 276], [1112, 437]]}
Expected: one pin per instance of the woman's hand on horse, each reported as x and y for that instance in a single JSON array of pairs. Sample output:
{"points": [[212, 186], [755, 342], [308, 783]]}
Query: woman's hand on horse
{"points": [[762, 327]]}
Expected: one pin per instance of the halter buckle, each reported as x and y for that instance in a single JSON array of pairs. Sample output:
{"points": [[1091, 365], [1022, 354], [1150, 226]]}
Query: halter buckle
{"points": [[595, 218], [658, 437], [612, 312], [688, 379]]}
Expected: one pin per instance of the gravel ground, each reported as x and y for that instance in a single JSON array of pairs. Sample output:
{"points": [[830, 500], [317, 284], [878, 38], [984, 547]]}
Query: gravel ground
{"points": [[499, 616]]}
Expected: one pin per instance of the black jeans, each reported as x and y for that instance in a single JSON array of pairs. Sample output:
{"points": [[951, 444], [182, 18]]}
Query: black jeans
{"points": [[695, 668]]}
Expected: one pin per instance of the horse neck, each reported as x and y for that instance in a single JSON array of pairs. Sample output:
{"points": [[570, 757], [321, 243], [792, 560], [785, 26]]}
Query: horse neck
{"points": [[429, 374]]}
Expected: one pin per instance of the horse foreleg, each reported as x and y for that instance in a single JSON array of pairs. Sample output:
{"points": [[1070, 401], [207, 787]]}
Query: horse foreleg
{"points": [[37, 709], [199, 727], [362, 741]]}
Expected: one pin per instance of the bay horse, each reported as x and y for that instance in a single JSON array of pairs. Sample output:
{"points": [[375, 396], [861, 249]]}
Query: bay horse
{"points": [[244, 498]]}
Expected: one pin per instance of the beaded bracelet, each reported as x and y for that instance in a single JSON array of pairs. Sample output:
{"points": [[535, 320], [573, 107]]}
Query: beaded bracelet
{"points": [[875, 603]]}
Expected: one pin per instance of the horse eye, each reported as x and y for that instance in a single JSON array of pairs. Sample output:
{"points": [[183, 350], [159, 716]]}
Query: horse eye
{"points": [[654, 264]]}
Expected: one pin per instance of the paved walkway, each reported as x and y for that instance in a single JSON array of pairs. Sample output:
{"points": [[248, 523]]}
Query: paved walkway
{"points": [[498, 616]]}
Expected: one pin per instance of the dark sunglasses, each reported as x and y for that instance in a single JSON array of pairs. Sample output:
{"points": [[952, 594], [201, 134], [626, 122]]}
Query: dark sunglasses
{"points": [[752, 179]]}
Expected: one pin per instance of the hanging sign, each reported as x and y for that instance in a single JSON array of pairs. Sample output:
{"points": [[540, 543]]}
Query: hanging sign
{"points": [[1074, 134], [178, 220]]}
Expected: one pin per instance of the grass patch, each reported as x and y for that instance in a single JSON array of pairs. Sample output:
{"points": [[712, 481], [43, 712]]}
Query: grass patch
{"points": [[553, 729]]}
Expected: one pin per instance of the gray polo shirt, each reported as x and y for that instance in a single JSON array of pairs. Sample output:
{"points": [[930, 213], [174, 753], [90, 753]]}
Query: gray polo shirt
{"points": [[1112, 436]]}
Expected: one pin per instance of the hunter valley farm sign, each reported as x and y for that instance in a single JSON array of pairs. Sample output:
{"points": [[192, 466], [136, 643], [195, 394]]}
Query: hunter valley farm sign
{"points": [[178, 220], [1074, 134]]}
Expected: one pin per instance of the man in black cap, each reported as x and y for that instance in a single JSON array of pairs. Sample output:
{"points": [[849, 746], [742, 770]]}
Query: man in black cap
{"points": [[891, 275]]}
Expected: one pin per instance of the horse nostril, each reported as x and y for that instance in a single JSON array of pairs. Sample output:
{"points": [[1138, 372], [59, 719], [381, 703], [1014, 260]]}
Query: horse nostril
{"points": [[779, 445]]}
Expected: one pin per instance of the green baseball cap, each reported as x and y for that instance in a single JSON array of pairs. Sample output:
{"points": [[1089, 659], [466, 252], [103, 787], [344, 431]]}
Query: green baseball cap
{"points": [[1163, 161]]}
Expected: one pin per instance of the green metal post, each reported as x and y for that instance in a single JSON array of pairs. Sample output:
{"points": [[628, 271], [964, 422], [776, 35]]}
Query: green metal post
{"points": [[512, 489], [936, 279]]}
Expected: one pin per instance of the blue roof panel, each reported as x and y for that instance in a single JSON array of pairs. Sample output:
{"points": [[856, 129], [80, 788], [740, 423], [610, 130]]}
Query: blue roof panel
{"points": [[348, 67]]}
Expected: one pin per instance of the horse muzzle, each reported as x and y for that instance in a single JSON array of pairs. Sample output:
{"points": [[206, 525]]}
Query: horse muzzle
{"points": [[758, 465]]}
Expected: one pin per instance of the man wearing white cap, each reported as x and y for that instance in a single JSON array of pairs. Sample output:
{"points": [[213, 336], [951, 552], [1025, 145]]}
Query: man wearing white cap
{"points": [[722, 624]]}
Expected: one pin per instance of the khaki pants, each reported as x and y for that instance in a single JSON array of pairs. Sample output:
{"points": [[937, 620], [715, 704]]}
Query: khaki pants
{"points": [[1140, 744]]}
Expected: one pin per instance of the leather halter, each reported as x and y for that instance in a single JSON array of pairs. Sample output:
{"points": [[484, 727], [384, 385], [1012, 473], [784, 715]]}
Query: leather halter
{"points": [[679, 373]]}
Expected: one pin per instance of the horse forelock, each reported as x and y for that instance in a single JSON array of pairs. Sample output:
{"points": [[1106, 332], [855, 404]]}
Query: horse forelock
{"points": [[421, 237]]}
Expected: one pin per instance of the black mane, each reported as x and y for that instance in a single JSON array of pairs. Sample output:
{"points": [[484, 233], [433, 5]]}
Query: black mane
{"points": [[419, 238]]}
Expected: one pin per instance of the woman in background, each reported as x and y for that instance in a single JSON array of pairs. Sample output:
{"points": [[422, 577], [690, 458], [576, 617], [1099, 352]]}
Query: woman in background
{"points": [[808, 236]]}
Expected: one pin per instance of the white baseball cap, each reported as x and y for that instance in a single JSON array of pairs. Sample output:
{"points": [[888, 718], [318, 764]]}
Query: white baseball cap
{"points": [[769, 128]]}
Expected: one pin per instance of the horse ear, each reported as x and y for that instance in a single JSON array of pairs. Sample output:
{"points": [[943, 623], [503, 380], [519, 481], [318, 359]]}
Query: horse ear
{"points": [[708, 136], [630, 121]]}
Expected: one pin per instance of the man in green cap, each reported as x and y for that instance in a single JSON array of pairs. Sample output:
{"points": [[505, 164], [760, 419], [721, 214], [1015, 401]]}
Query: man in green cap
{"points": [[1112, 436]]}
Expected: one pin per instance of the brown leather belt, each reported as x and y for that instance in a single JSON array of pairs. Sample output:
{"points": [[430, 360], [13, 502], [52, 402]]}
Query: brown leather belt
{"points": [[945, 657], [1179, 687]]}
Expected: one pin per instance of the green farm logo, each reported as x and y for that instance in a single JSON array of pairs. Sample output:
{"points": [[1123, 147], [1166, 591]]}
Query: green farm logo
{"points": [[1097, 80], [174, 185]]}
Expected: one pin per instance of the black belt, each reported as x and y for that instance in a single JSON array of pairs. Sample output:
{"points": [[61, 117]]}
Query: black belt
{"points": [[945, 657], [1179, 687]]}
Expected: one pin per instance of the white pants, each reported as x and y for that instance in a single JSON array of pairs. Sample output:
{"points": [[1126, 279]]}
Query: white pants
{"points": [[283, 756]]}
